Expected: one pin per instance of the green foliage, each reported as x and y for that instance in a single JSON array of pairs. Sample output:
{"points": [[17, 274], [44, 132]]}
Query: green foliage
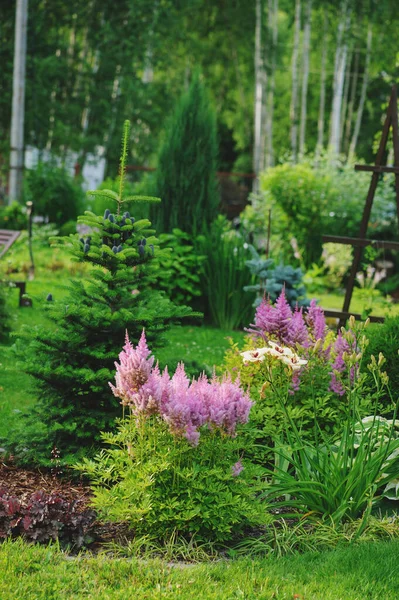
{"points": [[186, 172], [161, 485], [180, 273], [98, 203], [337, 478], [301, 194], [72, 360], [13, 217], [384, 337], [225, 274], [274, 281], [54, 193]]}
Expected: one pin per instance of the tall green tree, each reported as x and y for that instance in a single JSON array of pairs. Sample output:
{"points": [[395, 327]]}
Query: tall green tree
{"points": [[186, 171]]}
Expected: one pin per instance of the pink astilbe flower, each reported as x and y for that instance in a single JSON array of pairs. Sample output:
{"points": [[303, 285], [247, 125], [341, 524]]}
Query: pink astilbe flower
{"points": [[185, 410], [316, 321], [297, 330], [283, 318], [339, 366], [228, 405], [185, 406], [237, 468], [265, 320], [132, 373]]}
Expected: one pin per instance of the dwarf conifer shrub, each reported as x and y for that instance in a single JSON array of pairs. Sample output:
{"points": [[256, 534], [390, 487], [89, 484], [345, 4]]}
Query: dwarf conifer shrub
{"points": [[186, 172], [72, 360]]}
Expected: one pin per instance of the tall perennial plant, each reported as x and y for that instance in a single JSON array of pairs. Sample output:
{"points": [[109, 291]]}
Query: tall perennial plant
{"points": [[175, 465]]}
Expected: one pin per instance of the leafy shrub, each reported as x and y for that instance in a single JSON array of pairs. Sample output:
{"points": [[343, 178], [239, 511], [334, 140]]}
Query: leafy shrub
{"points": [[186, 174], [274, 281], [174, 465], [308, 200], [72, 359], [55, 195], [301, 194], [179, 272], [384, 337], [45, 518], [13, 217], [225, 274]]}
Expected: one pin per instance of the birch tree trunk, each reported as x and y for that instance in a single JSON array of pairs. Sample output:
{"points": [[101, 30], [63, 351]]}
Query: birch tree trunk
{"points": [[294, 78], [351, 103], [305, 77], [352, 147], [322, 102], [273, 19], [339, 76], [260, 88], [345, 97]]}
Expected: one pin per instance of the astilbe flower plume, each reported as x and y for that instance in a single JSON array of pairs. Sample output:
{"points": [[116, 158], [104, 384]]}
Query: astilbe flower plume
{"points": [[339, 367], [184, 405]]}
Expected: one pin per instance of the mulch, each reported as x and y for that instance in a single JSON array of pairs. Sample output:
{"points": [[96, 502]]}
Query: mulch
{"points": [[22, 483]]}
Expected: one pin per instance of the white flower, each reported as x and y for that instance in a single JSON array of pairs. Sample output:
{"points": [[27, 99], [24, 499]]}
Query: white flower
{"points": [[257, 355]]}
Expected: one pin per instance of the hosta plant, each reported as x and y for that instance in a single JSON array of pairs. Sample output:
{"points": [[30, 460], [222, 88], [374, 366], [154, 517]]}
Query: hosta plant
{"points": [[175, 463]]}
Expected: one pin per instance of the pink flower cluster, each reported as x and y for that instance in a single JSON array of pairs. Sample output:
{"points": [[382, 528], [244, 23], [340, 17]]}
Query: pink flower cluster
{"points": [[339, 367], [183, 404], [287, 326]]}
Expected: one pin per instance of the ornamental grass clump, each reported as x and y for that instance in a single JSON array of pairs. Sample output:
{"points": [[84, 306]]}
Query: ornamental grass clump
{"points": [[175, 465]]}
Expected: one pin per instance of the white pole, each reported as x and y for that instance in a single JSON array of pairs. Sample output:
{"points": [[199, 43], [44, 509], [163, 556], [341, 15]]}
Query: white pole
{"points": [[18, 102]]}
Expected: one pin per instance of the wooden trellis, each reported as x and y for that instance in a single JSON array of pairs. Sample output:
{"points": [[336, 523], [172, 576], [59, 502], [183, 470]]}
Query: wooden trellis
{"points": [[361, 242]]}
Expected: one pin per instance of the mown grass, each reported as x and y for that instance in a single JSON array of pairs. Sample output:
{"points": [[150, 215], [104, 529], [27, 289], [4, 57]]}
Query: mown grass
{"points": [[354, 573]]}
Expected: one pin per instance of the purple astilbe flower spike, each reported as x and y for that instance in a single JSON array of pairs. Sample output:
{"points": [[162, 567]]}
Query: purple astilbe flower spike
{"points": [[316, 321], [265, 324], [283, 318], [237, 468], [133, 371], [229, 405], [297, 331], [338, 366]]}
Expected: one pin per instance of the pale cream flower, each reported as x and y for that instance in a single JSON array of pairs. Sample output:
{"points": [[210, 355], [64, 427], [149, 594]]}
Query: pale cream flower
{"points": [[255, 356]]}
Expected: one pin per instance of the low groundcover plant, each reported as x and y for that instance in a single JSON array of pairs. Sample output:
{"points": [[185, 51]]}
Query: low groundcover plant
{"points": [[175, 463]]}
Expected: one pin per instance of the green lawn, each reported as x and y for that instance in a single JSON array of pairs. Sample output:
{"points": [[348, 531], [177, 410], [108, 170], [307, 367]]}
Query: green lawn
{"points": [[354, 573]]}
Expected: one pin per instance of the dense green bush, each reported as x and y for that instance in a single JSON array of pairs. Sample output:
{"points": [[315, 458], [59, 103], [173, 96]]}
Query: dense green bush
{"points": [[384, 337], [185, 179], [180, 272], [308, 200], [225, 274], [302, 195], [55, 195], [13, 216]]}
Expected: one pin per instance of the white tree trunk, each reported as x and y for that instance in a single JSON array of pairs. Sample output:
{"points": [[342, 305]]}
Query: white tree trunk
{"points": [[273, 19], [322, 101], [352, 147], [339, 77], [18, 102], [345, 97], [294, 78], [305, 77], [351, 104], [260, 89]]}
